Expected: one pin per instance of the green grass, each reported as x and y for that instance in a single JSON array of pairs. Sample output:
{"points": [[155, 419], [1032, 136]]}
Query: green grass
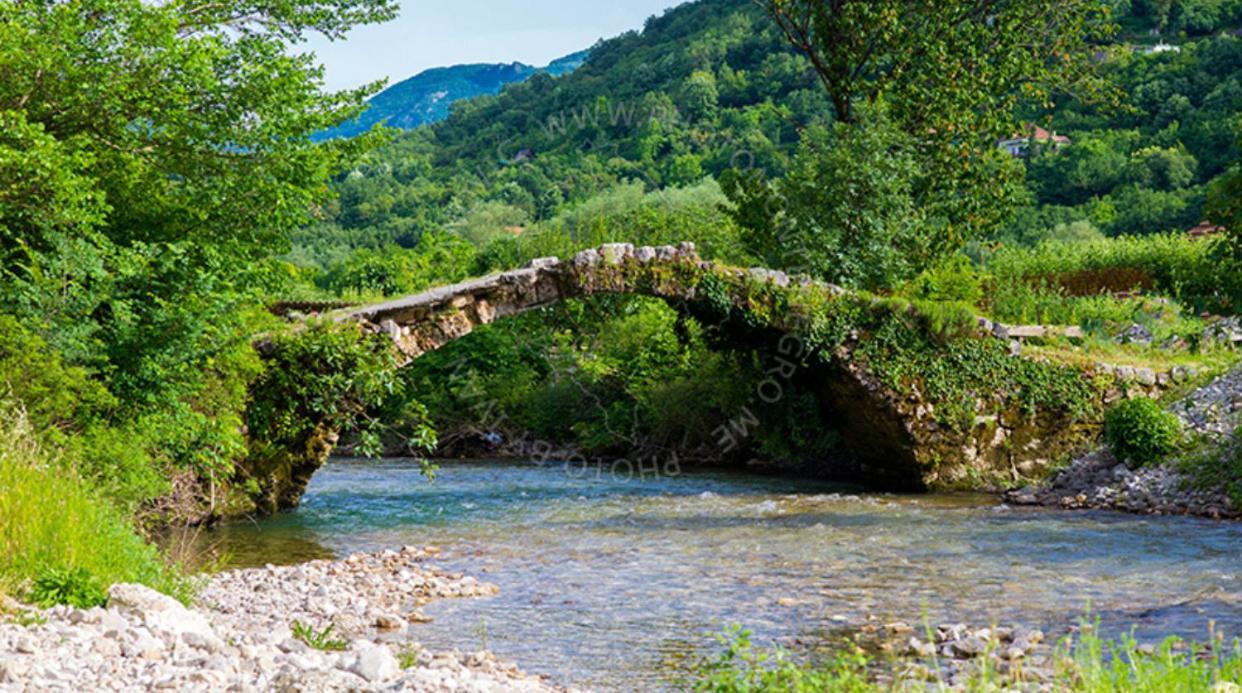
{"points": [[1217, 468], [1171, 264], [318, 639], [60, 540], [1089, 665]]}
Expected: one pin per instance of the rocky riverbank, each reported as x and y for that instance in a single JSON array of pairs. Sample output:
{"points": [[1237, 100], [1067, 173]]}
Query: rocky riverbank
{"points": [[240, 635], [1210, 414]]}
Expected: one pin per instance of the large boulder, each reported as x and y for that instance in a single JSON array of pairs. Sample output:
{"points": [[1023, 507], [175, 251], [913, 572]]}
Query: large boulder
{"points": [[163, 615]]}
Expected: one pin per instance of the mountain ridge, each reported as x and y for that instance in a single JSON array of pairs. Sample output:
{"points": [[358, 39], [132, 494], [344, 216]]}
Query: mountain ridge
{"points": [[427, 96]]}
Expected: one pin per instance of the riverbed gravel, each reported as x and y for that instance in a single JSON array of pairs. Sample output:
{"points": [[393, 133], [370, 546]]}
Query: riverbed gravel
{"points": [[240, 635], [1099, 480]]}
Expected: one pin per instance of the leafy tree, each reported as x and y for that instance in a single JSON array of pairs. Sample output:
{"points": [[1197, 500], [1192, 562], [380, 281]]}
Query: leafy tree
{"points": [[953, 75], [1225, 209], [154, 157], [846, 210]]}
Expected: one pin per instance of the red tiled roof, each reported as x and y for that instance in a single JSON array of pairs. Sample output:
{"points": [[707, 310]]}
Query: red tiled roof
{"points": [[1205, 228], [1039, 134]]}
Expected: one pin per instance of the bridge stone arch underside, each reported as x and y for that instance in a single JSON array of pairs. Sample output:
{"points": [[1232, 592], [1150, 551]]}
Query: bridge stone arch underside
{"points": [[893, 437]]}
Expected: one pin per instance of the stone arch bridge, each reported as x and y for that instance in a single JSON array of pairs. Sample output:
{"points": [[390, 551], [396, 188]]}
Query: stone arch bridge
{"points": [[895, 436]]}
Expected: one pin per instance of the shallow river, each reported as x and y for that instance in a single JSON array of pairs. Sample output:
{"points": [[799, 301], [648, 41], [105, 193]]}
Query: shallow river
{"points": [[609, 582]]}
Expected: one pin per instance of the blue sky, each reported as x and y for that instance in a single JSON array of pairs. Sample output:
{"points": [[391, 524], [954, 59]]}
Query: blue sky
{"points": [[432, 34]]}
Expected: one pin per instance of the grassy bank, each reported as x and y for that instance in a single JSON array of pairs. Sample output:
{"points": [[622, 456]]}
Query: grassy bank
{"points": [[60, 540]]}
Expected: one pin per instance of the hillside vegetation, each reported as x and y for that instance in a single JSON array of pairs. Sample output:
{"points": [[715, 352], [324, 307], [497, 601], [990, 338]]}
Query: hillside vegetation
{"points": [[709, 125]]}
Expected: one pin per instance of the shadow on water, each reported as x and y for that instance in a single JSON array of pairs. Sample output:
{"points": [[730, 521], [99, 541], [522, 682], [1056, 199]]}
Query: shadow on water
{"points": [[612, 582]]}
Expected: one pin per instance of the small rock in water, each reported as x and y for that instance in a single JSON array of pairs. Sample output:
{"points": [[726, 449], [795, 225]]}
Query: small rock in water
{"points": [[969, 647], [389, 622]]}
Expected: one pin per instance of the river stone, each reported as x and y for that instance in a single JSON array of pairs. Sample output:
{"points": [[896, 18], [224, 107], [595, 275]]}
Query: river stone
{"points": [[24, 644], [1135, 334], [969, 647], [375, 663], [389, 622], [202, 642], [159, 611]]}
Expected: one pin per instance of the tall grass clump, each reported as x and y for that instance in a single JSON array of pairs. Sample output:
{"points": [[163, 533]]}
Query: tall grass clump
{"points": [[1172, 264], [60, 540], [628, 214]]}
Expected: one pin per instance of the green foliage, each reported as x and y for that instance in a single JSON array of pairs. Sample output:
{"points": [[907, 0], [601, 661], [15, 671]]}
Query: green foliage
{"points": [[407, 657], [1170, 264], [58, 537], [1141, 432], [1218, 469], [1225, 208], [956, 279], [330, 377], [1091, 665], [487, 221], [147, 188], [846, 211], [76, 587], [392, 270], [615, 374], [627, 213], [318, 639], [742, 667], [912, 55], [957, 373]]}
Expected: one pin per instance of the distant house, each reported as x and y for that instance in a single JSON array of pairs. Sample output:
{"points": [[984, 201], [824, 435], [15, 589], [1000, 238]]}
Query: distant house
{"points": [[1019, 144], [1205, 228], [527, 154], [1158, 48]]}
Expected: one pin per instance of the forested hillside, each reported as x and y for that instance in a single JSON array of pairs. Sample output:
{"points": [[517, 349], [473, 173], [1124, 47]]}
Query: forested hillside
{"points": [[710, 125], [713, 86]]}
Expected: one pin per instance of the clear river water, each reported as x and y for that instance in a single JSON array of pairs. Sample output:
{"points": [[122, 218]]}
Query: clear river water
{"points": [[617, 582]]}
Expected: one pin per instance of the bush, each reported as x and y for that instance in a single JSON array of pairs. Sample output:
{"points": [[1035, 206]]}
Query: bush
{"points": [[73, 586], [331, 376], [60, 541], [952, 280], [1140, 431]]}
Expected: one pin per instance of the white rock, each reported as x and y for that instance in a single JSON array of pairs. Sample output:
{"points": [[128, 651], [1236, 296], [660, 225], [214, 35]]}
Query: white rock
{"points": [[198, 641], [159, 611], [375, 663]]}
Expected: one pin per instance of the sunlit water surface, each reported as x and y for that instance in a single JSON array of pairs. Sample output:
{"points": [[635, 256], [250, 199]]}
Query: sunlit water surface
{"points": [[613, 582]]}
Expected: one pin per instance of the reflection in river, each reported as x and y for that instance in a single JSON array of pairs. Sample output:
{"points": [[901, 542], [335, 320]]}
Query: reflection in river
{"points": [[608, 581]]}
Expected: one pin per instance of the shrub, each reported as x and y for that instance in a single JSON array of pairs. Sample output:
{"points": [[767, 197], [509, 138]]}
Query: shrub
{"points": [[331, 376], [952, 280], [1140, 431], [73, 586]]}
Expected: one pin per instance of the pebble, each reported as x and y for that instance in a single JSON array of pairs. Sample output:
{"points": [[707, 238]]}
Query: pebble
{"points": [[238, 636]]}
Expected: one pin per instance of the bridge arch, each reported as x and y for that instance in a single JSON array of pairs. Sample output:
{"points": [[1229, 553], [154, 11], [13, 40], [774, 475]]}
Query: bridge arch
{"points": [[894, 434]]}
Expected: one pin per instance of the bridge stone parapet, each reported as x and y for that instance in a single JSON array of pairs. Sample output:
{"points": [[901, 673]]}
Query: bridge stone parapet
{"points": [[428, 320]]}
